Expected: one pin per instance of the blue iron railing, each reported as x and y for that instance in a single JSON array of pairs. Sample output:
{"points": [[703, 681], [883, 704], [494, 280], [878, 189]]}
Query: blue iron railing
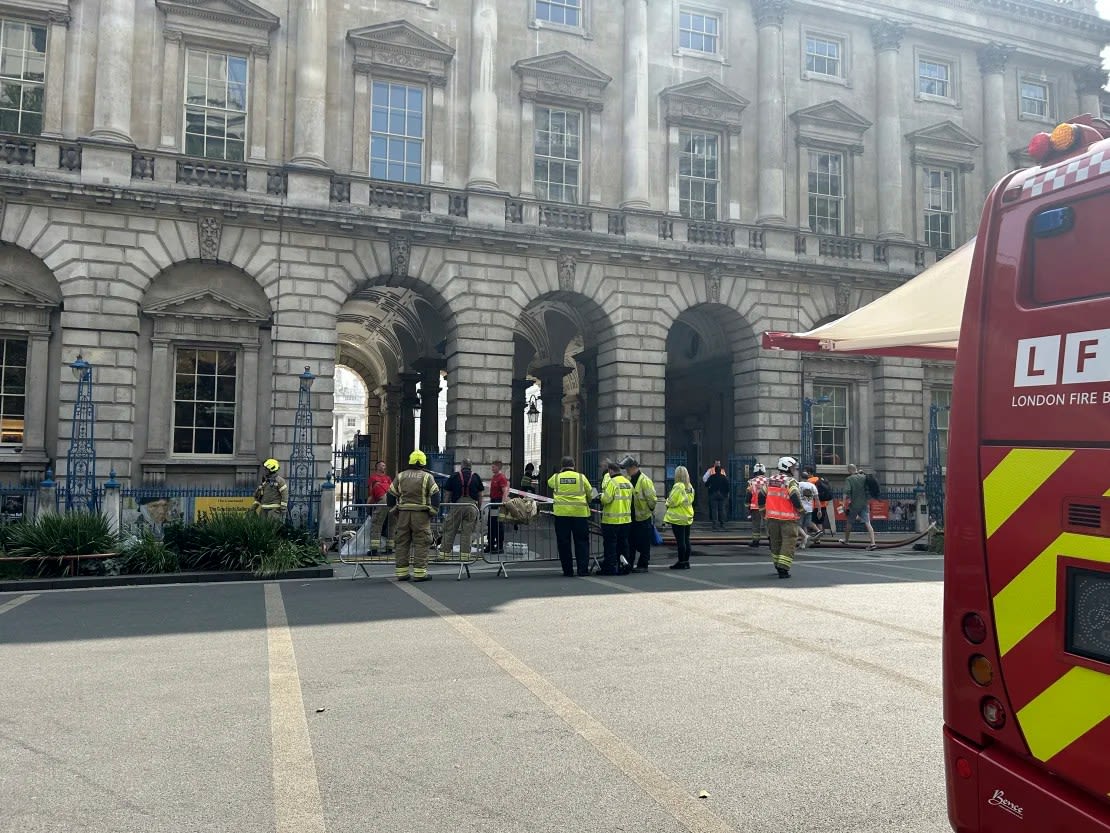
{"points": [[154, 507]]}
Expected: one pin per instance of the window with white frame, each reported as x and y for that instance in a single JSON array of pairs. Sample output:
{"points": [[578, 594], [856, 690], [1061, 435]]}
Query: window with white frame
{"points": [[562, 12], [940, 207], [557, 167], [934, 78], [699, 31], [22, 76], [824, 55], [13, 390], [215, 105], [942, 399], [397, 132], [1035, 99], [830, 424], [205, 386], [826, 192], [699, 174]]}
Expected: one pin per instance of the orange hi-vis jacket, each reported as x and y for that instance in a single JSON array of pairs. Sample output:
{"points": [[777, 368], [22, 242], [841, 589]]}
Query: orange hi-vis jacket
{"points": [[817, 502], [756, 485], [779, 506]]}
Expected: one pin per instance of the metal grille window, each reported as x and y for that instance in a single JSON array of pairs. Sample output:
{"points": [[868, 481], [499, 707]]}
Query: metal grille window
{"points": [[826, 192], [942, 398], [13, 390], [830, 425], [1034, 99], [698, 31], [823, 55], [397, 132], [215, 105], [934, 78], [564, 12], [204, 402], [698, 174], [558, 154], [940, 207], [22, 76]]}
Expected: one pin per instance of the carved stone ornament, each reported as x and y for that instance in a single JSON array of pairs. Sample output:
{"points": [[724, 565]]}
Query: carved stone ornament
{"points": [[769, 12], [401, 49], [843, 300], [209, 232], [1090, 80], [703, 101], [993, 57], [945, 143], [713, 286], [887, 34], [562, 77], [567, 266], [235, 13], [830, 123], [400, 250]]}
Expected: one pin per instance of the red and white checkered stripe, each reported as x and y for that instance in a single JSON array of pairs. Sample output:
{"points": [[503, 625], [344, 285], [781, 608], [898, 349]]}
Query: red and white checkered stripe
{"points": [[1061, 176]]}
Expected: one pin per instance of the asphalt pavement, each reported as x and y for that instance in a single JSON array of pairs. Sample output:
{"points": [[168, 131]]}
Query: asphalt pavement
{"points": [[528, 703]]}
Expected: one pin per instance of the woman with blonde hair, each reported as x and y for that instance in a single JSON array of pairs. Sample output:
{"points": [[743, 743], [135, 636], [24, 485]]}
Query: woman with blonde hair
{"points": [[680, 515]]}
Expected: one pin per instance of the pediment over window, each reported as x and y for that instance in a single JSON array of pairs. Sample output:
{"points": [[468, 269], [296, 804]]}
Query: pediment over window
{"points": [[703, 101], [830, 123], [401, 49], [946, 143], [237, 21], [38, 10], [207, 303], [14, 294], [562, 77]]}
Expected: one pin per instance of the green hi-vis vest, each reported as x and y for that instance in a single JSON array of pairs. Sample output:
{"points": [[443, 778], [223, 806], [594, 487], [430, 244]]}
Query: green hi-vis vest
{"points": [[571, 492], [616, 501]]}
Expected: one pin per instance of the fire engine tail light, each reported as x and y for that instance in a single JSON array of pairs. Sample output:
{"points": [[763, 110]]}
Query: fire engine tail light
{"points": [[974, 628], [994, 715], [980, 669], [1039, 146], [963, 768]]}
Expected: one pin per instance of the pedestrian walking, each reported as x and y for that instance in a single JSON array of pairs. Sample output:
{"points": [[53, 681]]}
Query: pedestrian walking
{"points": [[718, 487], [380, 526], [498, 491], [572, 494], [755, 509], [644, 501], [808, 494], [528, 479], [271, 498], [680, 515], [856, 505], [413, 497], [782, 502], [464, 490], [616, 521]]}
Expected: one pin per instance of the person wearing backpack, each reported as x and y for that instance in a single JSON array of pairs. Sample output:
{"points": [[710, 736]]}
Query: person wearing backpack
{"points": [[856, 506]]}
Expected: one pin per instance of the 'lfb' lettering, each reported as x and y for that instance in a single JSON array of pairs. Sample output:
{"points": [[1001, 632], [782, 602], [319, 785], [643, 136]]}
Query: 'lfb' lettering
{"points": [[1069, 359]]}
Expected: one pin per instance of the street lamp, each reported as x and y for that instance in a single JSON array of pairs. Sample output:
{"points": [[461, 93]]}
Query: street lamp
{"points": [[532, 412], [80, 485], [302, 464], [807, 428]]}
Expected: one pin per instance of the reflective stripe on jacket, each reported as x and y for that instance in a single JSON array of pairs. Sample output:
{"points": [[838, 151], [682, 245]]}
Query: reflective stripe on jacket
{"points": [[644, 498], [273, 493], [413, 489], [680, 505], [616, 501], [779, 506], [571, 492]]}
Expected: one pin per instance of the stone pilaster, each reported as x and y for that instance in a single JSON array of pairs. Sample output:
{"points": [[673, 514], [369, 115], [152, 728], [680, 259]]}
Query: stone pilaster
{"points": [[171, 89], [389, 450], [887, 37], [551, 416], [55, 74], [260, 98], [312, 78], [1089, 83], [516, 440], [483, 96], [636, 192], [114, 70], [771, 137], [992, 65]]}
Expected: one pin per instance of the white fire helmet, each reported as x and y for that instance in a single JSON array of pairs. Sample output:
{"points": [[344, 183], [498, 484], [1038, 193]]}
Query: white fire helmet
{"points": [[787, 463], [759, 468]]}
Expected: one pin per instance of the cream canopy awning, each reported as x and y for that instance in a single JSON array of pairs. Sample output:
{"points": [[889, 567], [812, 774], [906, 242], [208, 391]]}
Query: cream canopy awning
{"points": [[919, 319]]}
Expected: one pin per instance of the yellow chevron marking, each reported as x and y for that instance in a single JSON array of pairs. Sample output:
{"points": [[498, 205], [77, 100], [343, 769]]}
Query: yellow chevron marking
{"points": [[1014, 480], [1065, 711], [1030, 597]]}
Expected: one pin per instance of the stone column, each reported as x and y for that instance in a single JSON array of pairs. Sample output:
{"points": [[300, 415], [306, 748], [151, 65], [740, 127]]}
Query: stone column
{"points": [[247, 438], [996, 155], [429, 404], [1089, 81], [771, 138], [587, 393], [636, 192], [388, 448], [55, 74], [171, 90], [312, 81], [483, 96], [260, 100], [34, 419], [516, 436], [551, 416], [406, 432], [115, 41], [887, 36]]}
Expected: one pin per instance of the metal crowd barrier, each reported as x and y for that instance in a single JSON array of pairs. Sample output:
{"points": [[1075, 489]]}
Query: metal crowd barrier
{"points": [[535, 541]]}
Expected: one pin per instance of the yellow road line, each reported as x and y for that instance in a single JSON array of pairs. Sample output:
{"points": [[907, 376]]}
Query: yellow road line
{"points": [[16, 602], [1065, 711], [1015, 479], [297, 804], [695, 816]]}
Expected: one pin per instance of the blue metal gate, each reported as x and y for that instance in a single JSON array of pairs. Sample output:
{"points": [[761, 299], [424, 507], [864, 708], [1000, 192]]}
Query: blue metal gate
{"points": [[739, 473], [352, 481]]}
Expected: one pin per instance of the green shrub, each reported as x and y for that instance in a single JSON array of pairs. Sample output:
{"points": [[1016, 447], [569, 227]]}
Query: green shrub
{"points": [[240, 541], [74, 533], [143, 553]]}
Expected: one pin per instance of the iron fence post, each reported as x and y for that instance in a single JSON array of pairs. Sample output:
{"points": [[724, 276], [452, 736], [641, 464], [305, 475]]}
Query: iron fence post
{"points": [[302, 463], [80, 486]]}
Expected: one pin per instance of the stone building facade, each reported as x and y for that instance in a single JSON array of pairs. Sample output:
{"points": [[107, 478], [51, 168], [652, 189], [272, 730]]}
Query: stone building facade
{"points": [[612, 198]]}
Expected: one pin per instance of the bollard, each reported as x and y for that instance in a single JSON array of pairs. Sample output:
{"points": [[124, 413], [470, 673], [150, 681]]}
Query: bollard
{"points": [[326, 531], [112, 503]]}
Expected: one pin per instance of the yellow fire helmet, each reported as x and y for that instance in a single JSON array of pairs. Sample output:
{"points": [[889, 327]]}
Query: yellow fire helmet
{"points": [[271, 465], [418, 458]]}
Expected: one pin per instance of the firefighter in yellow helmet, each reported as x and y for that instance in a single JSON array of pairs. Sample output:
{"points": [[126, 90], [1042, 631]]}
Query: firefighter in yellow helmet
{"points": [[413, 498], [271, 498]]}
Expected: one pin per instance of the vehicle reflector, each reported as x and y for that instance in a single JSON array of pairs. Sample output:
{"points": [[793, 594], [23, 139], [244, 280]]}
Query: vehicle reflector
{"points": [[1039, 146], [980, 668], [963, 768], [1053, 221], [993, 713], [1087, 629], [975, 629], [1064, 136]]}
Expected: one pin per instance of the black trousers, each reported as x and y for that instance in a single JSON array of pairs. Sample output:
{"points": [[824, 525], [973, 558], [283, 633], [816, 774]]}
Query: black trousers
{"points": [[641, 543], [576, 530], [615, 538], [682, 539]]}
